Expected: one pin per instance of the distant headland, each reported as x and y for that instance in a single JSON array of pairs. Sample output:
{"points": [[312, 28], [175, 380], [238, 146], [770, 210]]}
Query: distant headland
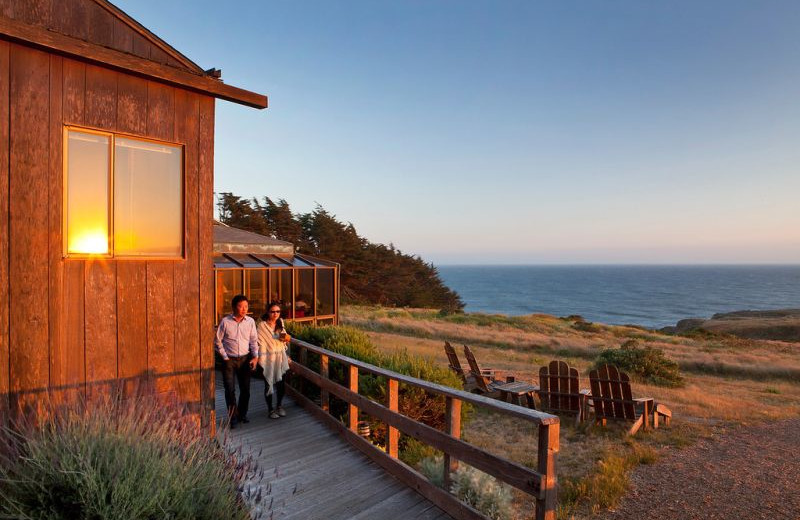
{"points": [[780, 324]]}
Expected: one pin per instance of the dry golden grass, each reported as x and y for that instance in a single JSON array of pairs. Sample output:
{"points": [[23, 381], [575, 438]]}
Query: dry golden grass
{"points": [[727, 380]]}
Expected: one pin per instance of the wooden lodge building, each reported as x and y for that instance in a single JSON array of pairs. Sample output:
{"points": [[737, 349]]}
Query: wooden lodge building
{"points": [[106, 208]]}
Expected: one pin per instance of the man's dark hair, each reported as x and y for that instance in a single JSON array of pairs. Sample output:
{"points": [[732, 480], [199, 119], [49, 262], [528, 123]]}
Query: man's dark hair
{"points": [[239, 298]]}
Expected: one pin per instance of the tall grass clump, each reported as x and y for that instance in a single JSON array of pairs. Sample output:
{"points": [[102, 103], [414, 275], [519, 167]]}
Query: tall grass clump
{"points": [[114, 459], [473, 487], [648, 363], [606, 484]]}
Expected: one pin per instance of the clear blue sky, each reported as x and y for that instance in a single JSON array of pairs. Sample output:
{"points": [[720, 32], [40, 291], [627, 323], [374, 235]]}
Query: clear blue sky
{"points": [[515, 132]]}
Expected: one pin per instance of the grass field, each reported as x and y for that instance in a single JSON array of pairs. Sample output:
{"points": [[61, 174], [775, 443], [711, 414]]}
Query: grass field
{"points": [[730, 382]]}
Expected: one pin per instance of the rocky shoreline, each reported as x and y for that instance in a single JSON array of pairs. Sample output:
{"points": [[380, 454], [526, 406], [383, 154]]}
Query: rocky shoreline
{"points": [[779, 324]]}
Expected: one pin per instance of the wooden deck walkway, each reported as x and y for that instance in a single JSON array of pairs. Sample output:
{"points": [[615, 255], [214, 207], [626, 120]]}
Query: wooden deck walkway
{"points": [[310, 472]]}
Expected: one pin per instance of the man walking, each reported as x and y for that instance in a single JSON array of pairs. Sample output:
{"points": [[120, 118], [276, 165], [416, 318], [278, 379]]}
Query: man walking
{"points": [[237, 343]]}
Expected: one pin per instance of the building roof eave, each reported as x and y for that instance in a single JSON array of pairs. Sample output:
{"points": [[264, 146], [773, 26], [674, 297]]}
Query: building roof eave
{"points": [[16, 31]]}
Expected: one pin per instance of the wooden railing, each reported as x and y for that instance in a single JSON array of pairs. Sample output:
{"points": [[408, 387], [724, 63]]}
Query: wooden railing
{"points": [[539, 483]]}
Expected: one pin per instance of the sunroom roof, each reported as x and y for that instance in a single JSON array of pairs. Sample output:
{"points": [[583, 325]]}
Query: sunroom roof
{"points": [[239, 249], [262, 261]]}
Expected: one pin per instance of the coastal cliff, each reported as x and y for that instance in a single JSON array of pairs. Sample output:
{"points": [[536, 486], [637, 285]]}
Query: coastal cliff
{"points": [[781, 324]]}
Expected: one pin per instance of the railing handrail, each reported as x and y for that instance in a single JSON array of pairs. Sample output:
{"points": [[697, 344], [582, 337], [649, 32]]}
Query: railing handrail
{"points": [[534, 416], [540, 482]]}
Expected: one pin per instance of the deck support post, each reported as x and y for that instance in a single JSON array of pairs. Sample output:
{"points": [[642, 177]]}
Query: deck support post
{"points": [[324, 399], [353, 409], [393, 401], [304, 362], [548, 449], [453, 427]]}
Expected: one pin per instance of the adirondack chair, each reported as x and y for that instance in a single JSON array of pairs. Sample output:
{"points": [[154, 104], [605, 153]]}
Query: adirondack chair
{"points": [[465, 375], [612, 398], [559, 390], [510, 390]]}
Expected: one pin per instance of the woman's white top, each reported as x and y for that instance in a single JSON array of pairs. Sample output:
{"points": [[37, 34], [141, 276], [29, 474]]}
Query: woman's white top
{"points": [[272, 354]]}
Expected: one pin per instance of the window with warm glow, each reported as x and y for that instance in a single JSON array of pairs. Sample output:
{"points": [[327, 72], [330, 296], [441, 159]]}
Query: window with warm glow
{"points": [[87, 200], [143, 212], [148, 198]]}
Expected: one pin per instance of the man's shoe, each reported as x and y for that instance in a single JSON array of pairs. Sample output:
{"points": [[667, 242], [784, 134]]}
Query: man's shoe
{"points": [[244, 420], [281, 411], [273, 415]]}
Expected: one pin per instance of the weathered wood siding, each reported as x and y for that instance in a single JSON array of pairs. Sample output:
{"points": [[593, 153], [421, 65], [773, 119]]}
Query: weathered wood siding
{"points": [[95, 22], [83, 327]]}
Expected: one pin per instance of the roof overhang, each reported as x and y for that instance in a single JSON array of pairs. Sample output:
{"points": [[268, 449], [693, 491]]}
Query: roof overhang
{"points": [[16, 31]]}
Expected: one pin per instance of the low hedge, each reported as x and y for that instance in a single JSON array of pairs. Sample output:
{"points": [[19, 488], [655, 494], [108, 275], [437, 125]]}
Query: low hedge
{"points": [[414, 402]]}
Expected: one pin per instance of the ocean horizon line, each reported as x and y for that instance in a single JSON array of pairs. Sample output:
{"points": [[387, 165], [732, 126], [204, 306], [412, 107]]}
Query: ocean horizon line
{"points": [[619, 264]]}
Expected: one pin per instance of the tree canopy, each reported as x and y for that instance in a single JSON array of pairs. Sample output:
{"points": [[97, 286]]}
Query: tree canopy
{"points": [[370, 273]]}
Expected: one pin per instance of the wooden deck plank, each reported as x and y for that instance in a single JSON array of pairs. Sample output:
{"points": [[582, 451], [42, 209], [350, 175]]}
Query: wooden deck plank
{"points": [[324, 502], [389, 507], [311, 473]]}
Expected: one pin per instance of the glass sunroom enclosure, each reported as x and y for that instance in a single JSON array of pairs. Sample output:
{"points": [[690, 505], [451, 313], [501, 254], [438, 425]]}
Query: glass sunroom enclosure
{"points": [[267, 270]]}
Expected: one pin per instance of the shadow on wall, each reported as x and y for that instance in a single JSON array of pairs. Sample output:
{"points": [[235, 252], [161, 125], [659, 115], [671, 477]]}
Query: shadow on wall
{"points": [[182, 388]]}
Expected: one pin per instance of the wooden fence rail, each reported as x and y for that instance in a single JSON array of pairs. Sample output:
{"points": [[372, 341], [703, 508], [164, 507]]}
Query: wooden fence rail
{"points": [[541, 483]]}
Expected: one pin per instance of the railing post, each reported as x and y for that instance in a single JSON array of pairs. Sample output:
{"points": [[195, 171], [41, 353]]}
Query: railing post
{"points": [[324, 399], [353, 409], [548, 449], [453, 427], [304, 362], [392, 434]]}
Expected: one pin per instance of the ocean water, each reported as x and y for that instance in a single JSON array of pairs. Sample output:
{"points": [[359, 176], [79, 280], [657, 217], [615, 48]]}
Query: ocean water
{"points": [[651, 296]]}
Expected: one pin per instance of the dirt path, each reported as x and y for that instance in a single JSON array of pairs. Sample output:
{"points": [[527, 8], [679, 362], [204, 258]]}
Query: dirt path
{"points": [[745, 473]]}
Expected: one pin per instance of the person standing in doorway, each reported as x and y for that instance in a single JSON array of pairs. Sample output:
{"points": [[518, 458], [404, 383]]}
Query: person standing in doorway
{"points": [[237, 343]]}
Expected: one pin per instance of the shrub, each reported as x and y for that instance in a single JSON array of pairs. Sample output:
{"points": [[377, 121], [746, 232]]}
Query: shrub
{"points": [[473, 487], [648, 363], [587, 326], [118, 460]]}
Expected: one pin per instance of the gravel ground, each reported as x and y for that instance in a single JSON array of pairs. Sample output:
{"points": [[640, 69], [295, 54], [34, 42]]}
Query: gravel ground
{"points": [[746, 473]]}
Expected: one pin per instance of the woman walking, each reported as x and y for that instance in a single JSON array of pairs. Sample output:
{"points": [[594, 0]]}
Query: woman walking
{"points": [[272, 357]]}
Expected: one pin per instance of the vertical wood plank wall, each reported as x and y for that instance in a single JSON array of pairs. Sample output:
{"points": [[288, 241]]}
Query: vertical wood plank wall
{"points": [[88, 20], [76, 327], [29, 76], [4, 110]]}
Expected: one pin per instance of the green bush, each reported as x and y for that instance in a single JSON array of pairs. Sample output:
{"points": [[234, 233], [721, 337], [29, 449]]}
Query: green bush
{"points": [[648, 363], [473, 487], [413, 402], [586, 326], [118, 460]]}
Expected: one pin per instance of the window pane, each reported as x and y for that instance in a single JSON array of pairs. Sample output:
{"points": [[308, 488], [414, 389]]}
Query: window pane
{"points": [[304, 297], [229, 284], [88, 166], [281, 289], [256, 291], [325, 291], [148, 198]]}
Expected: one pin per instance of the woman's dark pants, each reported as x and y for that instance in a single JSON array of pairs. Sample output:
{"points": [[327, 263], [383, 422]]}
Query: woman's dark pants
{"points": [[280, 391]]}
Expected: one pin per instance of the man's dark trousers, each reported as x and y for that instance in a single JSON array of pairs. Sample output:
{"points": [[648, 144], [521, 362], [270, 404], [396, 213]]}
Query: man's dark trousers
{"points": [[240, 367]]}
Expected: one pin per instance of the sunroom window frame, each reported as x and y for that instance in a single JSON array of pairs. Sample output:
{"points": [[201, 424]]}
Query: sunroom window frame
{"points": [[111, 186]]}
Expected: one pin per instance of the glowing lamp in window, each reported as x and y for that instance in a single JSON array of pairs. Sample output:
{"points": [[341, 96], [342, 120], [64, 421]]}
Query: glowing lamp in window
{"points": [[87, 193]]}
